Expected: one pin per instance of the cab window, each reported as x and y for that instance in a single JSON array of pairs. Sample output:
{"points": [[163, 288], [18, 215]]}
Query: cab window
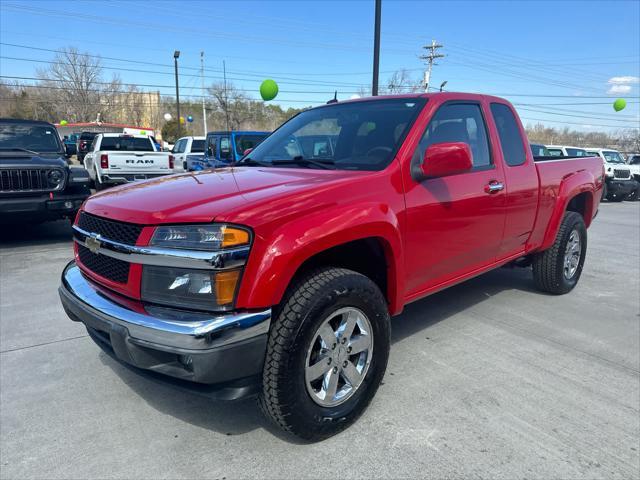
{"points": [[510, 138], [225, 148], [457, 122]]}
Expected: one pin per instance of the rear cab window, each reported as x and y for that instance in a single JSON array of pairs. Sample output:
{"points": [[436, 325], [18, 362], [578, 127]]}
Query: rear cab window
{"points": [[511, 140], [126, 144]]}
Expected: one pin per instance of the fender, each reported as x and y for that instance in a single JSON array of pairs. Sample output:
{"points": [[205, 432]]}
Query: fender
{"points": [[570, 186], [276, 257]]}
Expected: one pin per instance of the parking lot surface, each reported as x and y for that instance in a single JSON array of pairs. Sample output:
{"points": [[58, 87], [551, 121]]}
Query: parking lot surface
{"points": [[488, 379]]}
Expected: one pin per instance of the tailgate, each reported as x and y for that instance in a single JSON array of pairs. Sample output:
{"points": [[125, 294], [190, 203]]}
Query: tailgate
{"points": [[138, 161]]}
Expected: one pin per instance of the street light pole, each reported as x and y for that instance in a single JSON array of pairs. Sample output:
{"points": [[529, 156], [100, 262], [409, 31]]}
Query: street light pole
{"points": [[176, 55], [376, 49]]}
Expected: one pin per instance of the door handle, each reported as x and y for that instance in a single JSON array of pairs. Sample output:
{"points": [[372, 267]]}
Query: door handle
{"points": [[494, 186]]}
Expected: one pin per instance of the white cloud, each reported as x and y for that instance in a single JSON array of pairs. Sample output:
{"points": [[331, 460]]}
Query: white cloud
{"points": [[619, 89], [623, 80]]}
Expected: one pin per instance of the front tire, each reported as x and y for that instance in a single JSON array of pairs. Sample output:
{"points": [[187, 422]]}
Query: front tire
{"points": [[327, 353], [558, 269]]}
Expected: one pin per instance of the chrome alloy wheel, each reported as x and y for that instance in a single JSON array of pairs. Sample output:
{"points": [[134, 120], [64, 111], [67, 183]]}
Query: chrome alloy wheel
{"points": [[572, 255], [339, 357]]}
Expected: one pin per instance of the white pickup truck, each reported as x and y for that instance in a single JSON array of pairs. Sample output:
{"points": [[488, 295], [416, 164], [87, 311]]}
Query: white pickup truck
{"points": [[187, 150], [116, 158]]}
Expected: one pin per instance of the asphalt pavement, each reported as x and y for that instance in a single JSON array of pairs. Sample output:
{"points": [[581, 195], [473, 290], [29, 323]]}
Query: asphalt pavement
{"points": [[489, 379]]}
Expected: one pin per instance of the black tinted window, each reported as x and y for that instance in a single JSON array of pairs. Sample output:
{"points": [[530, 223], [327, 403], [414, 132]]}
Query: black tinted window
{"points": [[126, 144], [197, 146], [458, 122], [509, 133]]}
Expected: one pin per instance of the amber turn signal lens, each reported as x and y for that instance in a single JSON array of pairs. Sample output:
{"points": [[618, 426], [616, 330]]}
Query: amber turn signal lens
{"points": [[226, 286], [234, 236]]}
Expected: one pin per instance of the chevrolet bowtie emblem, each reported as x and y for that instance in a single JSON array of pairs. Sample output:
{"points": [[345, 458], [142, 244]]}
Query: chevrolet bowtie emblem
{"points": [[93, 243]]}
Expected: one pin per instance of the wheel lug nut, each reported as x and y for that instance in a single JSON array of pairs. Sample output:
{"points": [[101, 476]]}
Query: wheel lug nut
{"points": [[329, 362], [335, 369], [344, 364], [348, 349], [344, 340], [333, 347]]}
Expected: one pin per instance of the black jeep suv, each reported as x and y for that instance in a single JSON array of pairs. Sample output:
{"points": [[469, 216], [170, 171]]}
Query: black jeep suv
{"points": [[36, 183]]}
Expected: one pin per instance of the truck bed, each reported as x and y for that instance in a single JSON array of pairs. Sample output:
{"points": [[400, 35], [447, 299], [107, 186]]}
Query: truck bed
{"points": [[559, 179]]}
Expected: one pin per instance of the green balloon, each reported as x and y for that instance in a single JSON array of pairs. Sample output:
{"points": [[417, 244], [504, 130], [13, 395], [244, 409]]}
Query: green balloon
{"points": [[619, 104], [268, 90], [63, 122]]}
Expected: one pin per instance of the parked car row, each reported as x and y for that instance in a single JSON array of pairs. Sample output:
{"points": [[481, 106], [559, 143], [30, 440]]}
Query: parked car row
{"points": [[622, 177]]}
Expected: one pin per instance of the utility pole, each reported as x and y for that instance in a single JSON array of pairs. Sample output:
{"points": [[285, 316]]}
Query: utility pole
{"points": [[176, 55], [376, 48], [204, 110], [430, 57], [226, 98]]}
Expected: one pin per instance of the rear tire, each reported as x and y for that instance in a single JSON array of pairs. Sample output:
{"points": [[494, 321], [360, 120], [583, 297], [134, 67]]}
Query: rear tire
{"points": [[558, 269], [297, 343]]}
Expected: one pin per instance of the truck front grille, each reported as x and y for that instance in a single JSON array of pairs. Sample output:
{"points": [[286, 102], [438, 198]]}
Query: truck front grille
{"points": [[107, 267], [28, 180], [621, 173], [121, 232]]}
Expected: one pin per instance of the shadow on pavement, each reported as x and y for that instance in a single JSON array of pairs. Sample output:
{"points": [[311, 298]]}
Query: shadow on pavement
{"points": [[27, 235], [243, 416]]}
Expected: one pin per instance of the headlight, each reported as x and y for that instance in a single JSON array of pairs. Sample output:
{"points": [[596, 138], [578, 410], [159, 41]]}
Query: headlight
{"points": [[188, 288], [200, 237], [55, 177], [212, 290]]}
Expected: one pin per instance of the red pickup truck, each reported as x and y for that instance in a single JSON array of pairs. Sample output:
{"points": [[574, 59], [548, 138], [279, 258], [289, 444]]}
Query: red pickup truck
{"points": [[278, 275]]}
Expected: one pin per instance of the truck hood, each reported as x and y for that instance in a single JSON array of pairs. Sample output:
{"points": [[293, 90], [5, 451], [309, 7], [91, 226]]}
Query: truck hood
{"points": [[26, 160], [202, 196]]}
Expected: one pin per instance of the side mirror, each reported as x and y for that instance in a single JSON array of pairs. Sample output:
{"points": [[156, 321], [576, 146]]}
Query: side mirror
{"points": [[247, 151], [447, 158]]}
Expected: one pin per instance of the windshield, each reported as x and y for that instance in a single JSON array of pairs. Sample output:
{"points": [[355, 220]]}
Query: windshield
{"points": [[348, 136], [126, 144], [37, 138], [197, 146], [243, 142], [612, 157], [576, 152]]}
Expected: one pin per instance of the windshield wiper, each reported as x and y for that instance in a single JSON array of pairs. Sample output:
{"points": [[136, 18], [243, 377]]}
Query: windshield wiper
{"points": [[17, 149], [250, 161], [324, 163]]}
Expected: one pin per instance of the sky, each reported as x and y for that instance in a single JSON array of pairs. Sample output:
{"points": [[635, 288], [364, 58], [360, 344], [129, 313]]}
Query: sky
{"points": [[560, 62]]}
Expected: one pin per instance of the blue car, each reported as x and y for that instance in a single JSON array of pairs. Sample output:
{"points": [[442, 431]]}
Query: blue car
{"points": [[224, 148]]}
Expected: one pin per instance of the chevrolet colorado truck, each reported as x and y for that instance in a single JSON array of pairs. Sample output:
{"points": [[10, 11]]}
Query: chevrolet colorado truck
{"points": [[278, 276], [116, 158], [36, 182]]}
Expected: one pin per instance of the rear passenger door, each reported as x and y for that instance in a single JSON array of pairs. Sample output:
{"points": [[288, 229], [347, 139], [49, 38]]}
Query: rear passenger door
{"points": [[454, 223], [521, 180]]}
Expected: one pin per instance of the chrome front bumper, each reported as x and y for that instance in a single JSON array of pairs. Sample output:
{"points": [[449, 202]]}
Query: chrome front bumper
{"points": [[201, 347]]}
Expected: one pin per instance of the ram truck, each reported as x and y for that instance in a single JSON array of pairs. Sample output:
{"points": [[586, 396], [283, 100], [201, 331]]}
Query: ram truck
{"points": [[36, 182], [116, 158], [277, 276]]}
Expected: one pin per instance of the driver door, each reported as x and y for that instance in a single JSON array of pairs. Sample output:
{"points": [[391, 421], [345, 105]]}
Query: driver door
{"points": [[454, 224]]}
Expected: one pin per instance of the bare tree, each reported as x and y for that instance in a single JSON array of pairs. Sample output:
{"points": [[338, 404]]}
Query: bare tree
{"points": [[233, 104], [72, 86], [401, 82]]}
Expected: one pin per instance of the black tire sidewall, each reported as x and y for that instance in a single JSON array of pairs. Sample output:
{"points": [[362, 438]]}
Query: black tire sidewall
{"points": [[574, 222], [360, 293]]}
